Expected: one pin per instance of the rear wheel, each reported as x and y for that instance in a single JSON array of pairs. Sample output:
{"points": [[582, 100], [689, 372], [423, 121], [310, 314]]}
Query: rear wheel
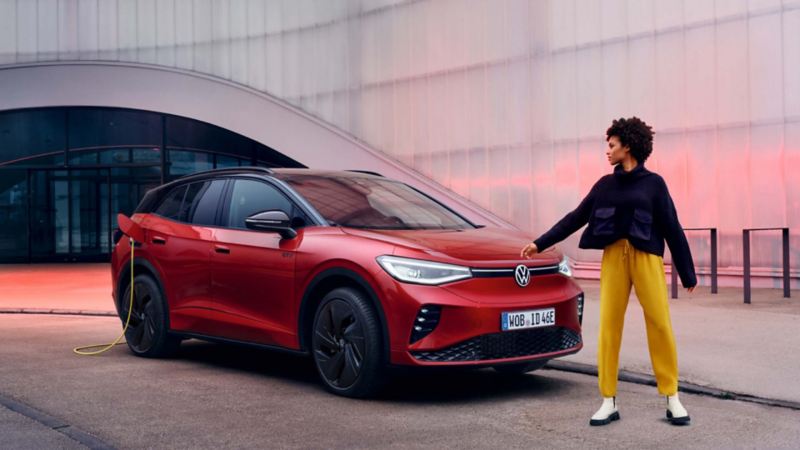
{"points": [[347, 344], [519, 368], [148, 331]]}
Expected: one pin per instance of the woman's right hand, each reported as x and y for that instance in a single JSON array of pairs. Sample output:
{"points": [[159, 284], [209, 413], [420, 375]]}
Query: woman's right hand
{"points": [[529, 250]]}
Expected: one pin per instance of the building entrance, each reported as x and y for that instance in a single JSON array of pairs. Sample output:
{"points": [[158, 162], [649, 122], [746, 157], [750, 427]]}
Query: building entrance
{"points": [[73, 212]]}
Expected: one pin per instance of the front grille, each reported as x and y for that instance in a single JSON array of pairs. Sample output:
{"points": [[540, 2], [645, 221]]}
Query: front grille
{"points": [[509, 344], [509, 272]]}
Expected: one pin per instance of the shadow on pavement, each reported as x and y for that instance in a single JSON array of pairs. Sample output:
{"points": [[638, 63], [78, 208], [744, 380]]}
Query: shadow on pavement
{"points": [[406, 385]]}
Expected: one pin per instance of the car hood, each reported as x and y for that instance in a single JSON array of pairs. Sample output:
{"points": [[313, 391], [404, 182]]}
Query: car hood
{"points": [[478, 247]]}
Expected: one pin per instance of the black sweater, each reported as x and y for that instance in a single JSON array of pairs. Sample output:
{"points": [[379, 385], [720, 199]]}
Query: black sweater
{"points": [[635, 205]]}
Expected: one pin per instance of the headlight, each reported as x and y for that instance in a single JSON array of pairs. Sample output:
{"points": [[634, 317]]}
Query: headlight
{"points": [[563, 267], [422, 272]]}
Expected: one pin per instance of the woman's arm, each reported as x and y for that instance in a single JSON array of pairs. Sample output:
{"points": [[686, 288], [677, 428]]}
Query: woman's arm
{"points": [[570, 223], [673, 233]]}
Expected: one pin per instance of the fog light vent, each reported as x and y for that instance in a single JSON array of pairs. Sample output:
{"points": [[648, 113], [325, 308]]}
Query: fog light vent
{"points": [[580, 308], [426, 320]]}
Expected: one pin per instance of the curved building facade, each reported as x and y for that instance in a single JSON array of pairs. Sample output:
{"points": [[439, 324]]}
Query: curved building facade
{"points": [[499, 105]]}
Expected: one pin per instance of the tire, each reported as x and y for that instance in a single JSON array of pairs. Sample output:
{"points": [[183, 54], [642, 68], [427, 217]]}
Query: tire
{"points": [[346, 343], [520, 368], [148, 332]]}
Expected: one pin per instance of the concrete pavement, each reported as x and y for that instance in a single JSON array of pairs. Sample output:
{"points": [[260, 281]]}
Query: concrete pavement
{"points": [[219, 396], [722, 343]]}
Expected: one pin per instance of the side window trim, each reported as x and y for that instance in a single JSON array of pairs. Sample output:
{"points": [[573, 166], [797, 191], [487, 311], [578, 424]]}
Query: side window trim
{"points": [[225, 203]]}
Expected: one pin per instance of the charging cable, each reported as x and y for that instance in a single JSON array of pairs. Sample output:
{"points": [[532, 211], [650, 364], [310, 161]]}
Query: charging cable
{"points": [[85, 351]]}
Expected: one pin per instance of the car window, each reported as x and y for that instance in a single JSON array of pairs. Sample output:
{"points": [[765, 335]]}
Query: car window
{"points": [[170, 206], [201, 202], [250, 197]]}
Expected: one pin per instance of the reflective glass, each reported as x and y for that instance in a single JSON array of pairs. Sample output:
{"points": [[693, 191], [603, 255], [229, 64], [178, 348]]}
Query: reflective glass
{"points": [[13, 215], [185, 162], [31, 132], [97, 127], [204, 210], [170, 206], [369, 203], [250, 197]]}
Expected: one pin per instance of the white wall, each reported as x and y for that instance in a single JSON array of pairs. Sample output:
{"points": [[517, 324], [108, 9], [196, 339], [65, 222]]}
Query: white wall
{"points": [[503, 101]]}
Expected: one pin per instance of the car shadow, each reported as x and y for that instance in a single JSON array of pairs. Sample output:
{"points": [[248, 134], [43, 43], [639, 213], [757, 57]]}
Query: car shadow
{"points": [[405, 385], [423, 385], [267, 362]]}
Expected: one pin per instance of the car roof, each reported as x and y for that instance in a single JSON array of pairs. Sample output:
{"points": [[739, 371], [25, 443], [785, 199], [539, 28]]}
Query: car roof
{"points": [[327, 173], [280, 172], [155, 194]]}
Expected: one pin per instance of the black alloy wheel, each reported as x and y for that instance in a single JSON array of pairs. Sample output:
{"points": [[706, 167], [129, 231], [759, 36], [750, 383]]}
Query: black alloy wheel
{"points": [[346, 344], [147, 334]]}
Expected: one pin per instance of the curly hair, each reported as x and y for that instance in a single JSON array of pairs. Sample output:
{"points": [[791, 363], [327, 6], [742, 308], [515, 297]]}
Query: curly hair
{"points": [[633, 133]]}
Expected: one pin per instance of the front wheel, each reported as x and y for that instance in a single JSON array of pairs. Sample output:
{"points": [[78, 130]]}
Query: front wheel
{"points": [[519, 368], [347, 344]]}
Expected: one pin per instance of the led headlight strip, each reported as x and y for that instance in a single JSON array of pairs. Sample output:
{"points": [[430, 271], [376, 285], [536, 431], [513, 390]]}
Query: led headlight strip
{"points": [[422, 272]]}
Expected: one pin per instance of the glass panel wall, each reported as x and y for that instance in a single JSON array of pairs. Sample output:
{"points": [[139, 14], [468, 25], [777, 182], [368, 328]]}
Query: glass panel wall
{"points": [[33, 132], [13, 215], [66, 172]]}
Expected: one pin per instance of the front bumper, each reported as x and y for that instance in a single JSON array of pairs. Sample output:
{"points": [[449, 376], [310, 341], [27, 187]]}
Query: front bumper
{"points": [[539, 343], [468, 332]]}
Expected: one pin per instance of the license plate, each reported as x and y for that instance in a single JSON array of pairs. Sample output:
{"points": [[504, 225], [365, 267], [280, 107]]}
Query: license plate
{"points": [[519, 320]]}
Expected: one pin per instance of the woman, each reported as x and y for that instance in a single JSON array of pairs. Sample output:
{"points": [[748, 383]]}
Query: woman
{"points": [[630, 213]]}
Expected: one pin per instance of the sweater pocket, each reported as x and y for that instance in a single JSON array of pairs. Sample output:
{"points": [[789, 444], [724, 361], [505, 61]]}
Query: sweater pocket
{"points": [[641, 225], [604, 221]]}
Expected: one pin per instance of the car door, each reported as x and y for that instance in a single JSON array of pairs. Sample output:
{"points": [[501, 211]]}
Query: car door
{"points": [[253, 271], [179, 242]]}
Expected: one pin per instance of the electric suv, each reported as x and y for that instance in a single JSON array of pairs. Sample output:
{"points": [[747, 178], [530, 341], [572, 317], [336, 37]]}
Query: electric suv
{"points": [[361, 272]]}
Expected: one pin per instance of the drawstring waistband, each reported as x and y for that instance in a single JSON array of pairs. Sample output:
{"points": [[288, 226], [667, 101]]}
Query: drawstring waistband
{"points": [[626, 247]]}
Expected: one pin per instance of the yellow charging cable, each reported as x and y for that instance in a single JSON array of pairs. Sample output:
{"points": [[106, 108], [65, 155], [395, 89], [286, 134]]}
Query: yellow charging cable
{"points": [[83, 350]]}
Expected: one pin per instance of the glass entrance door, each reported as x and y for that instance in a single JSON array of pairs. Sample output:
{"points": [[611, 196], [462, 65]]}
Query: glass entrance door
{"points": [[73, 211]]}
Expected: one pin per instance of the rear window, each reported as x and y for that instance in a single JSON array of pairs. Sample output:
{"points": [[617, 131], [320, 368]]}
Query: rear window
{"points": [[194, 203], [170, 206]]}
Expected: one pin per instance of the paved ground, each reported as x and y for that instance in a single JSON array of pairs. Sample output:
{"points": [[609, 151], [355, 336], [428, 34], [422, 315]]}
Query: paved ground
{"points": [[722, 343], [218, 396]]}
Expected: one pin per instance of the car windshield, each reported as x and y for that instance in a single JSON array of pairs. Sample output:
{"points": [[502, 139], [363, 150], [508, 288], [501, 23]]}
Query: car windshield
{"points": [[362, 202]]}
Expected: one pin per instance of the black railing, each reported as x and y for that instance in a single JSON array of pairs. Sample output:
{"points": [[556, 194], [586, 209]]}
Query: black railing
{"points": [[746, 254], [674, 275]]}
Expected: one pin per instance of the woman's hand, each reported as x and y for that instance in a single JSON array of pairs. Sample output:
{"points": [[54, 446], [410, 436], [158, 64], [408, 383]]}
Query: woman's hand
{"points": [[529, 250]]}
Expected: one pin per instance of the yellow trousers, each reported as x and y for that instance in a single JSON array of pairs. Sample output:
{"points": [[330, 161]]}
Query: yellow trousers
{"points": [[624, 266]]}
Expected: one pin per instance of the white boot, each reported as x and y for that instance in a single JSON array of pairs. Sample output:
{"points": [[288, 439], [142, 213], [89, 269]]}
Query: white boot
{"points": [[607, 412], [676, 413]]}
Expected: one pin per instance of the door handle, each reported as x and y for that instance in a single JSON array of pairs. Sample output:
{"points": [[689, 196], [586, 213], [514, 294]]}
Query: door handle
{"points": [[159, 240], [221, 249]]}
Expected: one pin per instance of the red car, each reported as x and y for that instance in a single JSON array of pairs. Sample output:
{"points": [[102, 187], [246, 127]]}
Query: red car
{"points": [[362, 272]]}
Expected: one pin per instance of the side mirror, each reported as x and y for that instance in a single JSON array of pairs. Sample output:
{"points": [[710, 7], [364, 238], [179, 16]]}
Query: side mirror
{"points": [[271, 221]]}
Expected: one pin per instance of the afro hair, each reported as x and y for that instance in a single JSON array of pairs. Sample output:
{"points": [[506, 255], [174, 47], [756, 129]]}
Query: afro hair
{"points": [[633, 133]]}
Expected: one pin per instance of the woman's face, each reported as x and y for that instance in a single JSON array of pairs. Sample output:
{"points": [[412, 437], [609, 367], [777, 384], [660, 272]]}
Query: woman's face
{"points": [[616, 152]]}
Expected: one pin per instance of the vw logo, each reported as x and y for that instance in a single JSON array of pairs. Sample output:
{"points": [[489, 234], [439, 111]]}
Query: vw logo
{"points": [[522, 275]]}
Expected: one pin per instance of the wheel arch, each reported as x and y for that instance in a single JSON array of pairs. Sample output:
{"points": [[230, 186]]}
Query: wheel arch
{"points": [[141, 266], [323, 283]]}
